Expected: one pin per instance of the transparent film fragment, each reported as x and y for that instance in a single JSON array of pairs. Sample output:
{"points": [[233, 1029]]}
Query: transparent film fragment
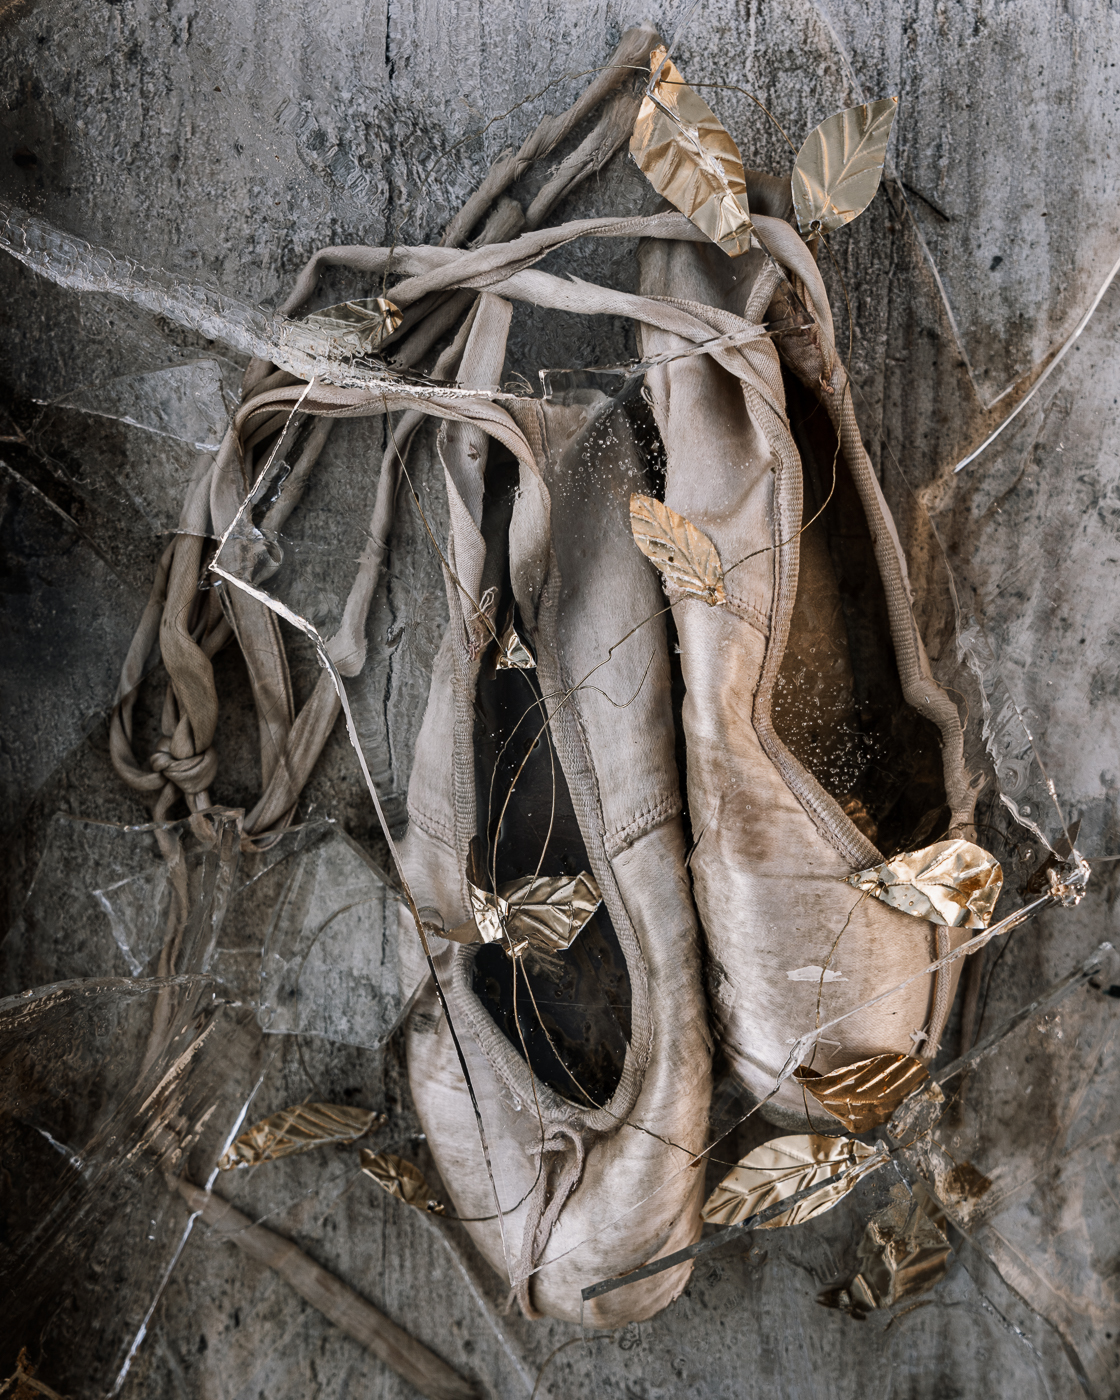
{"points": [[1041, 642], [329, 963], [114, 1083], [184, 402]]}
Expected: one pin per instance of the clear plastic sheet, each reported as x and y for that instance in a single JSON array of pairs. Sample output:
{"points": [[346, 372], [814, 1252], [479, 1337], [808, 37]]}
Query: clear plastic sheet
{"points": [[110, 1083], [1042, 1212], [290, 953], [329, 962], [184, 402]]}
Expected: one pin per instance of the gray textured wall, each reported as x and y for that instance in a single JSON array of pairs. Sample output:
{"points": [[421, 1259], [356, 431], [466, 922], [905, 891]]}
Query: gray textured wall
{"points": [[224, 143]]}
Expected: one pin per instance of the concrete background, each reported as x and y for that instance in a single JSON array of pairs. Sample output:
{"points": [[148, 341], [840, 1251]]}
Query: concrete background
{"points": [[224, 144]]}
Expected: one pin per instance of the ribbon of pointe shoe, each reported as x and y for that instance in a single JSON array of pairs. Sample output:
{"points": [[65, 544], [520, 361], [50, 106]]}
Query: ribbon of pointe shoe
{"points": [[545, 912]]}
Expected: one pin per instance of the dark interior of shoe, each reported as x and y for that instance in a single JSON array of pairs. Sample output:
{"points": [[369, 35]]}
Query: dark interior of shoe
{"points": [[571, 1020], [838, 703]]}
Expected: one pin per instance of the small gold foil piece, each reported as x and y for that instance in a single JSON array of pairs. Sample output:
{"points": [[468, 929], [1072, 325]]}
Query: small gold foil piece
{"points": [[401, 1179], [513, 654], [783, 1167], [687, 558], [298, 1129], [951, 882], [550, 910], [838, 169], [545, 912], [865, 1094], [356, 327], [688, 156]]}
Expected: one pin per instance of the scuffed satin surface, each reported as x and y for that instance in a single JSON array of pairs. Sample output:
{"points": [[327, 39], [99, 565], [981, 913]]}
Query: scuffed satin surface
{"points": [[768, 885], [638, 1195]]}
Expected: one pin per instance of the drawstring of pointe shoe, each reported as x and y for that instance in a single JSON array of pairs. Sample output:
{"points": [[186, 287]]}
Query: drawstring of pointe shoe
{"points": [[563, 1148]]}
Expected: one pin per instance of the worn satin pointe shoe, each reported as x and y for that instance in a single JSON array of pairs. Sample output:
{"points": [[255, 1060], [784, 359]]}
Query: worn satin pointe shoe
{"points": [[818, 742], [590, 1065]]}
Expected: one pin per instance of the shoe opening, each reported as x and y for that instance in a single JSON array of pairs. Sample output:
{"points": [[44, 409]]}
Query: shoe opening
{"points": [[566, 1013], [838, 702]]}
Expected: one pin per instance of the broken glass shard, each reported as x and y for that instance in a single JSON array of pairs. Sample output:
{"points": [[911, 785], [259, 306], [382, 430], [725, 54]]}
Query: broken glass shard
{"points": [[184, 402], [329, 961]]}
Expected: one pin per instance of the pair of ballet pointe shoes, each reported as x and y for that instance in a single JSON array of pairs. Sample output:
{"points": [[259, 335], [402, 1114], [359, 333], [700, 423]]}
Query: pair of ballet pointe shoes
{"points": [[565, 1093]]}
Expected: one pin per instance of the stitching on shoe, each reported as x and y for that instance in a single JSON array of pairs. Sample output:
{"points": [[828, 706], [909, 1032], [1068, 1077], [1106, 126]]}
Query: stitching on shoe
{"points": [[735, 606], [432, 826], [665, 809]]}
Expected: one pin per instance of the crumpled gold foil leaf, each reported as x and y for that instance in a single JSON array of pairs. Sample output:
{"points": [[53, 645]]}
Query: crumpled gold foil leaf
{"points": [[838, 169], [685, 555], [546, 912], [688, 156], [298, 1129], [865, 1094], [491, 913], [401, 1179], [951, 882], [783, 1167], [902, 1253], [356, 327], [513, 654], [550, 910]]}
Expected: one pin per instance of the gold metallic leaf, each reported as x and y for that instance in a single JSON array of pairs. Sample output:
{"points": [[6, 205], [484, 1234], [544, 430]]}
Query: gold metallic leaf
{"points": [[401, 1179], [513, 654], [838, 169], [550, 910], [688, 156], [951, 882], [546, 912], [491, 913], [902, 1253], [356, 327], [298, 1129], [686, 557], [783, 1167], [865, 1094]]}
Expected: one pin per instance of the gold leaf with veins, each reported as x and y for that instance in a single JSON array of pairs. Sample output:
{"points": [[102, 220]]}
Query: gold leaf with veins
{"points": [[687, 155], [686, 557], [838, 169], [865, 1094], [951, 882], [783, 1167], [401, 1179], [298, 1129]]}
